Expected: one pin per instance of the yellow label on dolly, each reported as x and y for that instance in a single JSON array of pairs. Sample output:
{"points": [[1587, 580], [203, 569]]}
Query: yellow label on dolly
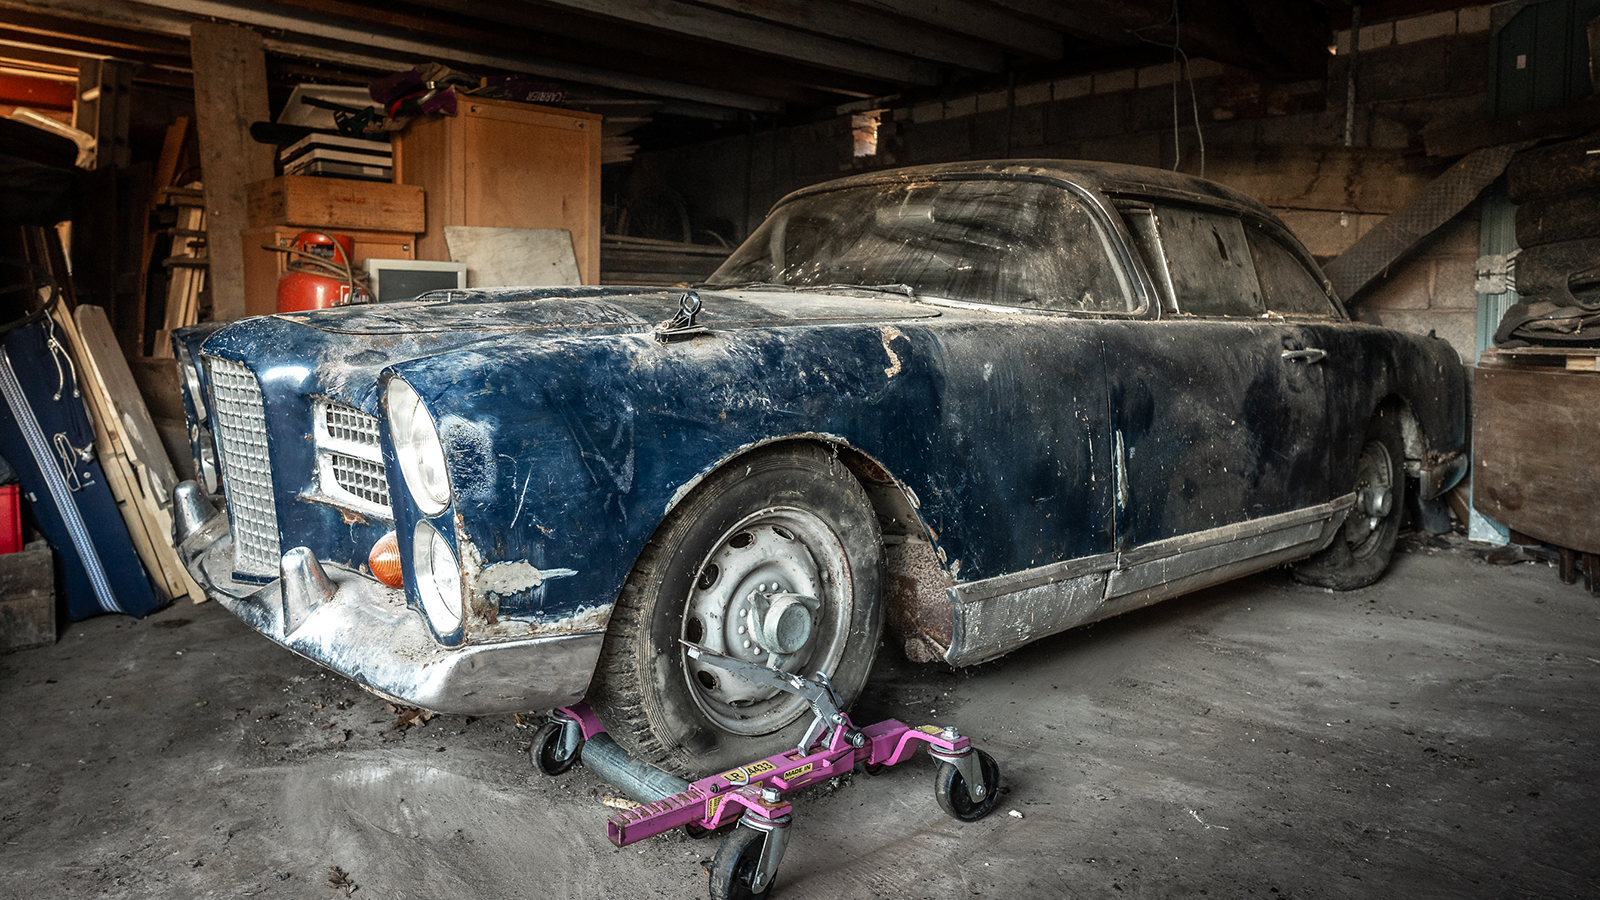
{"points": [[711, 807], [792, 774], [743, 773], [930, 729]]}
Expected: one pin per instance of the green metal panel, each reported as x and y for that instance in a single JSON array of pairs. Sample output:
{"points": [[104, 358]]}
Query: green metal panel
{"points": [[1540, 57]]}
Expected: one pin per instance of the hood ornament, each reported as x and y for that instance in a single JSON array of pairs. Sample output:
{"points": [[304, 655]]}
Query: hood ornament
{"points": [[682, 324]]}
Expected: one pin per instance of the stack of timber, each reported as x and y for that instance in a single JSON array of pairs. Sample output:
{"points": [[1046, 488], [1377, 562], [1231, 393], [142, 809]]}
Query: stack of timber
{"points": [[631, 260], [188, 265], [129, 448]]}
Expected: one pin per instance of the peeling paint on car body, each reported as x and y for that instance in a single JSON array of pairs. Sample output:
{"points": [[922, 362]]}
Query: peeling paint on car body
{"points": [[571, 433]]}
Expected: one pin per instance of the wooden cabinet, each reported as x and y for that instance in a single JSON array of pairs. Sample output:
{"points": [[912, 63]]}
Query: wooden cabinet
{"points": [[1534, 433], [506, 165], [263, 267]]}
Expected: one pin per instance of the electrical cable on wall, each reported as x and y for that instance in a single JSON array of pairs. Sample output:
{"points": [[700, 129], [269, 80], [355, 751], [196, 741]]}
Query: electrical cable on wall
{"points": [[1181, 59]]}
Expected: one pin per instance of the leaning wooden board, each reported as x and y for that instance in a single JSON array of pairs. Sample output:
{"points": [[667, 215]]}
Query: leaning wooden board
{"points": [[1534, 434], [131, 454]]}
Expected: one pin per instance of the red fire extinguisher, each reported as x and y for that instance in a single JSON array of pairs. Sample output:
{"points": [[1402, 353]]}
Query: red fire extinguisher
{"points": [[320, 273]]}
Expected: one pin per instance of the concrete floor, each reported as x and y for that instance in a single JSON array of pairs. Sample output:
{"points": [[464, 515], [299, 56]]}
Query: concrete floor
{"points": [[1432, 736]]}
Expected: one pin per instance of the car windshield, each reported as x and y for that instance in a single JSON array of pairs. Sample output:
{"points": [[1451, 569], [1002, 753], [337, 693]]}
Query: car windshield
{"points": [[1011, 243]]}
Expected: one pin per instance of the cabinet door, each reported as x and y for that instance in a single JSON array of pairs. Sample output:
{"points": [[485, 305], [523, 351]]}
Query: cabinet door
{"points": [[544, 174]]}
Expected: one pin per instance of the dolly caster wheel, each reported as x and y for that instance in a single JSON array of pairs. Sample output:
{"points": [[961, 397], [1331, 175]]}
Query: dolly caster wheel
{"points": [[547, 750], [955, 795], [733, 871]]}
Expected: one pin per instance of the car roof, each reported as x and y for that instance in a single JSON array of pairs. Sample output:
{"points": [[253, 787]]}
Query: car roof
{"points": [[1113, 179]]}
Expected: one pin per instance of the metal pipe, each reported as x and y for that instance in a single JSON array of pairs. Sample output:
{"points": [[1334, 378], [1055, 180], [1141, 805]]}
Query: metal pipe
{"points": [[641, 781]]}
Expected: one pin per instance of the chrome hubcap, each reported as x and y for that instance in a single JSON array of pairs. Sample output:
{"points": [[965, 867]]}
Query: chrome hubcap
{"points": [[1374, 497], [773, 591]]}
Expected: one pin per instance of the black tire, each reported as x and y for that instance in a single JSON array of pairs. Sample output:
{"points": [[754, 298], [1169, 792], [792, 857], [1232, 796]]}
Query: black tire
{"points": [[734, 866], [955, 798], [546, 750], [1361, 551], [792, 518]]}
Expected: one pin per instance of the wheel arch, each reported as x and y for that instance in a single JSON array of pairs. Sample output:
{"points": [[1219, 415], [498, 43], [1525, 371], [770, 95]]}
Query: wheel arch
{"points": [[1433, 472], [915, 577]]}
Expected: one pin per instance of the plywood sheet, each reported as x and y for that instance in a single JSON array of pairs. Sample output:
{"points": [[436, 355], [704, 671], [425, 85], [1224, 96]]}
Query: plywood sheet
{"points": [[521, 257]]}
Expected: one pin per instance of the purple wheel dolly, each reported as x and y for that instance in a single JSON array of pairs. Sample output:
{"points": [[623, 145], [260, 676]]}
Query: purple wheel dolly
{"points": [[966, 786]]}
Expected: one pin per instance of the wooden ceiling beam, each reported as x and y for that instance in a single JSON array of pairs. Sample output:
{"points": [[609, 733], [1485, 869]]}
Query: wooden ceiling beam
{"points": [[1277, 38], [627, 45], [317, 33], [759, 36], [976, 20], [850, 23]]}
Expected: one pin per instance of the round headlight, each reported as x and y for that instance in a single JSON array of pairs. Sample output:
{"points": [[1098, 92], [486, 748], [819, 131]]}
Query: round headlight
{"points": [[438, 578], [417, 447]]}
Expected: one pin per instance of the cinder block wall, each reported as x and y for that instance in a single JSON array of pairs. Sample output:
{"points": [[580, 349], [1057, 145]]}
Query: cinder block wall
{"points": [[1283, 143]]}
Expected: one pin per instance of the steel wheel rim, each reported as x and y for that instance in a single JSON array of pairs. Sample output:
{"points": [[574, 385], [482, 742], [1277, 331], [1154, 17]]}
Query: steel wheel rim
{"points": [[779, 549], [1374, 472]]}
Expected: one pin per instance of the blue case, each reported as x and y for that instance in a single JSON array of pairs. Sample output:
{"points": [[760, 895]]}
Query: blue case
{"points": [[46, 435]]}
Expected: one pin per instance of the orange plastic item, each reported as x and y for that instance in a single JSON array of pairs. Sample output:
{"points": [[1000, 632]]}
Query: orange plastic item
{"points": [[384, 561]]}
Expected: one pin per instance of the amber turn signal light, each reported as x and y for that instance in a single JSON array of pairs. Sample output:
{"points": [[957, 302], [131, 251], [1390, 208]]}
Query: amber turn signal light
{"points": [[384, 560]]}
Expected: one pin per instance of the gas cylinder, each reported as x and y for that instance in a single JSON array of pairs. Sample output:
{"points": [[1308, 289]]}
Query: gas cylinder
{"points": [[320, 274]]}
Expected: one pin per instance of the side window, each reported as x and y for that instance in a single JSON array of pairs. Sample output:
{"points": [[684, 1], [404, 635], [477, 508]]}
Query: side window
{"points": [[1208, 262], [1290, 290]]}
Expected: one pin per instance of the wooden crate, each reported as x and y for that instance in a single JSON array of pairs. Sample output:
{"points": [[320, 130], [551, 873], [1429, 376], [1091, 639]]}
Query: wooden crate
{"points": [[501, 164], [28, 598], [262, 267], [342, 203], [1534, 433]]}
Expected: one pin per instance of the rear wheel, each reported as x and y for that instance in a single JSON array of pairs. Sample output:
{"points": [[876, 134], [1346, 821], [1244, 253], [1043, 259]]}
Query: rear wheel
{"points": [[775, 560], [1361, 551]]}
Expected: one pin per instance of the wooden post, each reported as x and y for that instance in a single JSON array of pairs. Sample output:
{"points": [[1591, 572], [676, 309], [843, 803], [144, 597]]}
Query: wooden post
{"points": [[230, 92]]}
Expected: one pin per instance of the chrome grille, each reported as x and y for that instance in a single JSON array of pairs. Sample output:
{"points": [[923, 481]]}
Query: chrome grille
{"points": [[361, 478], [241, 425], [347, 424], [350, 469]]}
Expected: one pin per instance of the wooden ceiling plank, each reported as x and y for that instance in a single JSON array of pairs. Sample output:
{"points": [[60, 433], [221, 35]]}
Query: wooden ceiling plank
{"points": [[761, 36], [174, 16], [1106, 23], [642, 51], [976, 20], [850, 23], [114, 40]]}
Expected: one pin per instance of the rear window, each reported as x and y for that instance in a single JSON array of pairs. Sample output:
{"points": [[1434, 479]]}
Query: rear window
{"points": [[1290, 289], [1009, 243]]}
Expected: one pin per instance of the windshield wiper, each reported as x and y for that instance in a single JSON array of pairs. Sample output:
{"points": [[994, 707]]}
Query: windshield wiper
{"points": [[898, 288], [745, 286]]}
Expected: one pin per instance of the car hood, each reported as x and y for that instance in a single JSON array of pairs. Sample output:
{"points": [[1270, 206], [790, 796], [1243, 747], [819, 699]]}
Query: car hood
{"points": [[340, 353], [609, 310]]}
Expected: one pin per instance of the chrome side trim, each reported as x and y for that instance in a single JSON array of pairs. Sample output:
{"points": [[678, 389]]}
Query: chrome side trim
{"points": [[997, 615]]}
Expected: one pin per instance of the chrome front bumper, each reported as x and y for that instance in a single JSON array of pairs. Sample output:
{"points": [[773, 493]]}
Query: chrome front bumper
{"points": [[355, 626]]}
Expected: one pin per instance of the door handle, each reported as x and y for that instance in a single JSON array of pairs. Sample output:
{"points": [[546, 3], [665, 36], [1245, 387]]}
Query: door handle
{"points": [[1309, 354]]}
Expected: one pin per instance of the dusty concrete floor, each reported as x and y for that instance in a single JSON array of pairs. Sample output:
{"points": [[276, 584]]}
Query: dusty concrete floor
{"points": [[1432, 736]]}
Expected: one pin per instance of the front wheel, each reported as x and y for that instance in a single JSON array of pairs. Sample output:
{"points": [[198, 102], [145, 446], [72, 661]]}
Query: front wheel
{"points": [[1360, 552], [775, 560]]}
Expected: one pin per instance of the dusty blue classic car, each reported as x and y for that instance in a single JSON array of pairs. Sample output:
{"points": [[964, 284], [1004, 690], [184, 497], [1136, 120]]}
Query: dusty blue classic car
{"points": [[980, 403]]}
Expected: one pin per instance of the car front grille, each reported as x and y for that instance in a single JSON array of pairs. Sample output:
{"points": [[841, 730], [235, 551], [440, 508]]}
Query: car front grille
{"points": [[361, 478], [350, 464], [348, 424], [241, 425]]}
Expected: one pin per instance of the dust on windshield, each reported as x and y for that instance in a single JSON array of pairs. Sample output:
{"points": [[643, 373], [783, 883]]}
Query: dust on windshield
{"points": [[1009, 243]]}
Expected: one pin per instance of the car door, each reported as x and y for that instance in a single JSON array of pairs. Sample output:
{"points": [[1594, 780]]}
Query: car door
{"points": [[1218, 411]]}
